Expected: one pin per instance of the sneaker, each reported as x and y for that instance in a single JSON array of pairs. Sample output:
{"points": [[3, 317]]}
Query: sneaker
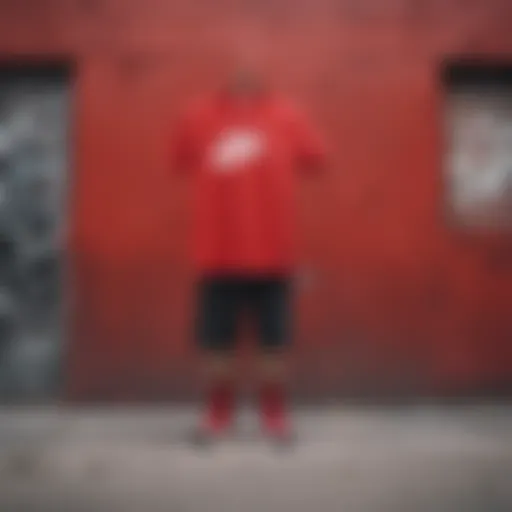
{"points": [[279, 430], [218, 418], [211, 429], [275, 422]]}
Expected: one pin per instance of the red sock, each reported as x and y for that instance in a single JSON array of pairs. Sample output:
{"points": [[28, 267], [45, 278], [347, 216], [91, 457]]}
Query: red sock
{"points": [[273, 408], [220, 406]]}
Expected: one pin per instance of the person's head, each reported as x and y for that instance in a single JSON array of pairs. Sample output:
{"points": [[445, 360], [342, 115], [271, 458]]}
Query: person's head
{"points": [[246, 76], [244, 80]]}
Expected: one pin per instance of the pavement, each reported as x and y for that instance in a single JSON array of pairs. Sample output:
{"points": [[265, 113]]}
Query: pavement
{"points": [[348, 459]]}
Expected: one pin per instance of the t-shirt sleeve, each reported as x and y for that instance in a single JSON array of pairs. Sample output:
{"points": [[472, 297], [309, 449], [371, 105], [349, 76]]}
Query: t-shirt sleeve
{"points": [[308, 145], [184, 148]]}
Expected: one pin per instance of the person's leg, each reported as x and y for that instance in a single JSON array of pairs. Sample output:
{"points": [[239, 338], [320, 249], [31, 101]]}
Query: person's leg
{"points": [[216, 333], [220, 392], [273, 308], [272, 394]]}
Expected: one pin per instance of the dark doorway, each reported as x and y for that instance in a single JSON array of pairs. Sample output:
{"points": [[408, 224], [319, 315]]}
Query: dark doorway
{"points": [[34, 132]]}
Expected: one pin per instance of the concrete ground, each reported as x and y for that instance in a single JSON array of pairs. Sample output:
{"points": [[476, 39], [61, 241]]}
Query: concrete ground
{"points": [[415, 459]]}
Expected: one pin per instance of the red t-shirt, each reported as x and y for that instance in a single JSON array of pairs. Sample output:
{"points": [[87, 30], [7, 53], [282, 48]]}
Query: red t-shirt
{"points": [[245, 156]]}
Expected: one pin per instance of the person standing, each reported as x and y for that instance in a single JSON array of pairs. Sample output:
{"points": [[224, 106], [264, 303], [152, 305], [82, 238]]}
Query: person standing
{"points": [[244, 146]]}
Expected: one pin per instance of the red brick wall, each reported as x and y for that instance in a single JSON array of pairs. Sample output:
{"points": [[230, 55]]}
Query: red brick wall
{"points": [[398, 303]]}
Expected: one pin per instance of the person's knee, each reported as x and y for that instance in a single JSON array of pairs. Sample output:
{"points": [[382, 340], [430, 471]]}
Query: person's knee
{"points": [[273, 364], [219, 363]]}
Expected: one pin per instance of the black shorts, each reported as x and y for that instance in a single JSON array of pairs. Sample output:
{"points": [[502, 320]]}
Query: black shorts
{"points": [[223, 300]]}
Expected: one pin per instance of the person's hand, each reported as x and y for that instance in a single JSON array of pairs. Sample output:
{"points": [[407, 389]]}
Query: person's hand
{"points": [[305, 278]]}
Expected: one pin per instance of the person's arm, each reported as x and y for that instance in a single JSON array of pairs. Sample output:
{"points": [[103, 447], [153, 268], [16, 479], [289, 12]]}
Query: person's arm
{"points": [[309, 147], [183, 144], [310, 154]]}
